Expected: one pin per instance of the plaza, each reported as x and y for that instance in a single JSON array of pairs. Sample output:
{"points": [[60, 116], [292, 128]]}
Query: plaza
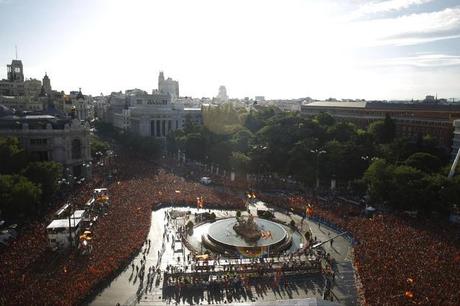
{"points": [[175, 266]]}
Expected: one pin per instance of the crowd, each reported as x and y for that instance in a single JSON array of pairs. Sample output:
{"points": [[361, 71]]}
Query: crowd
{"points": [[27, 274], [399, 260]]}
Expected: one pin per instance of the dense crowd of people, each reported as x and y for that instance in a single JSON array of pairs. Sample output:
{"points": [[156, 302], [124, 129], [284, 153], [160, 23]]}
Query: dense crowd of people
{"points": [[398, 260], [138, 186]]}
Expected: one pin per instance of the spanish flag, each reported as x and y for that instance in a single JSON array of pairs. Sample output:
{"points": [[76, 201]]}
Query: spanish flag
{"points": [[309, 210], [199, 202]]}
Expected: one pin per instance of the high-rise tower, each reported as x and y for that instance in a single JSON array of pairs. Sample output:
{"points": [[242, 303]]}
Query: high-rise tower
{"points": [[15, 71], [47, 84], [161, 79], [168, 86]]}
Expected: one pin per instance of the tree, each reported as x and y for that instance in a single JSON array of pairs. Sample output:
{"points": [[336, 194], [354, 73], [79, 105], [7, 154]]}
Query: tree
{"points": [[343, 131], [189, 127], [389, 129], [44, 174], [220, 153], [384, 131], [409, 189], [150, 147], [325, 119], [378, 180], [13, 157], [97, 145], [240, 162], [424, 161], [241, 140], [194, 144], [18, 195]]}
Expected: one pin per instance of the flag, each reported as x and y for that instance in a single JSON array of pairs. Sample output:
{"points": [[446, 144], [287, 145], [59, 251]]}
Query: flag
{"points": [[309, 211]]}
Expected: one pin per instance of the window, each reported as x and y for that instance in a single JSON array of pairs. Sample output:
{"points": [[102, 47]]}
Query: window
{"points": [[139, 101], [76, 149], [38, 141]]}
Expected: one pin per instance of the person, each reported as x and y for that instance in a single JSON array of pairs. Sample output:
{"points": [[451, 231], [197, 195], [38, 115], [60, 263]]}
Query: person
{"points": [[332, 241]]}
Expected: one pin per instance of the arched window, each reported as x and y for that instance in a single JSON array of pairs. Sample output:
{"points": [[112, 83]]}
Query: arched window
{"points": [[76, 149]]}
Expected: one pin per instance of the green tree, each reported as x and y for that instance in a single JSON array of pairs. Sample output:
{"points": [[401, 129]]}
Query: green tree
{"points": [[98, 145], [378, 180], [409, 189], [325, 119], [241, 140], [149, 146], [220, 153], [384, 131], [240, 162], [18, 196], [44, 174], [343, 131], [424, 161], [13, 157], [194, 145]]}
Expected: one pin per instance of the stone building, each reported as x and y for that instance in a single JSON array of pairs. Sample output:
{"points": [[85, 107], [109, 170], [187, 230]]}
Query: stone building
{"points": [[49, 138], [168, 86], [148, 114]]}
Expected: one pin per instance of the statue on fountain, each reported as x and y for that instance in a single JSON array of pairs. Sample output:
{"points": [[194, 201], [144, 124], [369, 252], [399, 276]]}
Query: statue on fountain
{"points": [[247, 229]]}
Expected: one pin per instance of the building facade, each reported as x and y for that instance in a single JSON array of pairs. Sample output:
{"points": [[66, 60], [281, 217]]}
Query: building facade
{"points": [[412, 120], [168, 86], [48, 138], [13, 85], [148, 115]]}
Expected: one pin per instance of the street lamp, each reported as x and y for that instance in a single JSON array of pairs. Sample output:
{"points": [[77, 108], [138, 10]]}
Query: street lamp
{"points": [[317, 152]]}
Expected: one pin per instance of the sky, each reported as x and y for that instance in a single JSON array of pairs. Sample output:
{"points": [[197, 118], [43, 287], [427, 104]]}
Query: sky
{"points": [[390, 49]]}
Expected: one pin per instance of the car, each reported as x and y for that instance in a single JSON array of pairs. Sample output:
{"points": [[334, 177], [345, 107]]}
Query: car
{"points": [[205, 180]]}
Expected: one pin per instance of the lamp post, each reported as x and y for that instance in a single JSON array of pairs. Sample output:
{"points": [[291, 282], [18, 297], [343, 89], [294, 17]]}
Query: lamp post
{"points": [[317, 152]]}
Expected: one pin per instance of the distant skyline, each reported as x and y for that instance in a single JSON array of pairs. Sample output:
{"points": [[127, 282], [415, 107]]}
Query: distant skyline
{"points": [[392, 49]]}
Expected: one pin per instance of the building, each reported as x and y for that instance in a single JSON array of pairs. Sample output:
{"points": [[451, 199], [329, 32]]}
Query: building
{"points": [[50, 138], [13, 85], [148, 115], [28, 95], [168, 86], [15, 71], [22, 103], [47, 84], [32, 87], [412, 120], [222, 94], [79, 106]]}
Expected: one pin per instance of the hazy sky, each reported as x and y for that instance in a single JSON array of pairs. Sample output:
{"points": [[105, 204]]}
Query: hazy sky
{"points": [[393, 49]]}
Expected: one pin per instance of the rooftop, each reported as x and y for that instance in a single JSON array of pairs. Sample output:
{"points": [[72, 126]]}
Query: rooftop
{"points": [[63, 223], [384, 105]]}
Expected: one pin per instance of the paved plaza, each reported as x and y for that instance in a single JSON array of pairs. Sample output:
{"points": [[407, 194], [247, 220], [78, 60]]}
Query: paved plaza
{"points": [[165, 249]]}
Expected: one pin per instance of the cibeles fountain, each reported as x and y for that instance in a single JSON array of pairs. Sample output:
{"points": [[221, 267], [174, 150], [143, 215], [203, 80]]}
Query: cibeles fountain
{"points": [[247, 236]]}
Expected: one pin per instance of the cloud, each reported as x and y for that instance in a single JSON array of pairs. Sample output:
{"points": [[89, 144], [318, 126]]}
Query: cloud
{"points": [[405, 30], [387, 6], [421, 61]]}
